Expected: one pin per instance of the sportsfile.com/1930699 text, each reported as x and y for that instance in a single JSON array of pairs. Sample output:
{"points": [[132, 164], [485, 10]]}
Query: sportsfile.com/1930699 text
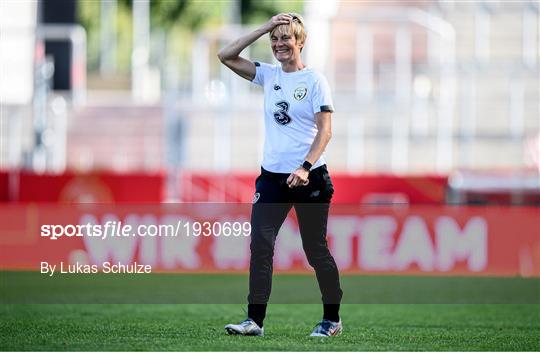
{"points": [[119, 229]]}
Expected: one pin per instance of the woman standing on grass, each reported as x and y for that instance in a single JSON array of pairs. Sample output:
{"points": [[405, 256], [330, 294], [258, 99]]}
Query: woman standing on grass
{"points": [[298, 110]]}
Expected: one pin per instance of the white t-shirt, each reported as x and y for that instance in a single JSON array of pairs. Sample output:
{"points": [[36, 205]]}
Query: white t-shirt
{"points": [[291, 100]]}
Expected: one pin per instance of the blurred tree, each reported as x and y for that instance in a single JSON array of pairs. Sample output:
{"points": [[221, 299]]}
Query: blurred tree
{"points": [[256, 11], [87, 12], [171, 17], [175, 22], [166, 14], [252, 10]]}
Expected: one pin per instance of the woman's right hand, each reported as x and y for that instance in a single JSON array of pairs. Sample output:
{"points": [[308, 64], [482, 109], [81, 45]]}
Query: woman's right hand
{"points": [[277, 20], [230, 55]]}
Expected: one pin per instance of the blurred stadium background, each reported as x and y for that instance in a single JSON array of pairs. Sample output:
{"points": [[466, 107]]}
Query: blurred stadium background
{"points": [[440, 88], [437, 102]]}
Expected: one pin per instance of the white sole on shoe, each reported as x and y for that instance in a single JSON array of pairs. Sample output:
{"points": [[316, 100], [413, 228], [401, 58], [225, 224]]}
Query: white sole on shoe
{"points": [[339, 331], [234, 332]]}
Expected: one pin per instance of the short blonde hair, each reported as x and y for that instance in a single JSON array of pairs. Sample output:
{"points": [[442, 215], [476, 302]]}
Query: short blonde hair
{"points": [[296, 28]]}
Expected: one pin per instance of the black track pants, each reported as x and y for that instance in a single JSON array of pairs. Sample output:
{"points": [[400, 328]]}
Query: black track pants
{"points": [[272, 202]]}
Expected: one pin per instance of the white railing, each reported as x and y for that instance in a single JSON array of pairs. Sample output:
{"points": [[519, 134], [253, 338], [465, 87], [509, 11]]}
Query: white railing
{"points": [[76, 36], [441, 52]]}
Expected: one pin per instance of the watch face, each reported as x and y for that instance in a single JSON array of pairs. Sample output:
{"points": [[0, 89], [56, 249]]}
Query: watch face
{"points": [[307, 166]]}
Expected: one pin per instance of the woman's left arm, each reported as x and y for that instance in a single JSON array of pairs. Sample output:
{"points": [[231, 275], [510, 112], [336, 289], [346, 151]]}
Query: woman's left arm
{"points": [[324, 134]]}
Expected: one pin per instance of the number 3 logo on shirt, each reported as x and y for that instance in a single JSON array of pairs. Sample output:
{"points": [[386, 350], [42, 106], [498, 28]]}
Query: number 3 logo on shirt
{"points": [[281, 115]]}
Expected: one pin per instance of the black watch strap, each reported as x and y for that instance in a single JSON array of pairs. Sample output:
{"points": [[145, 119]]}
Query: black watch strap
{"points": [[307, 166]]}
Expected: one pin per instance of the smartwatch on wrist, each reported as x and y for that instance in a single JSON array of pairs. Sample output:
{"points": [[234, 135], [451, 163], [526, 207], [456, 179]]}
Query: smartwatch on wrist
{"points": [[307, 166]]}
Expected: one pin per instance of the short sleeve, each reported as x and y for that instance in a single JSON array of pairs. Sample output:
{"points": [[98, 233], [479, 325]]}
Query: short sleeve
{"points": [[262, 72], [322, 99]]}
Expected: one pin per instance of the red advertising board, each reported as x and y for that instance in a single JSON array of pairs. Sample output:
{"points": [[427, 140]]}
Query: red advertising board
{"points": [[214, 187], [369, 239]]}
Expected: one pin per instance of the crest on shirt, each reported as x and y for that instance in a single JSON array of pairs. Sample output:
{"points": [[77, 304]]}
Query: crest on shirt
{"points": [[300, 93]]}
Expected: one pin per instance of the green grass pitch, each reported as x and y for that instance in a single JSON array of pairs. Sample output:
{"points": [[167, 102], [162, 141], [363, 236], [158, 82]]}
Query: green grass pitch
{"points": [[199, 327], [383, 326]]}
